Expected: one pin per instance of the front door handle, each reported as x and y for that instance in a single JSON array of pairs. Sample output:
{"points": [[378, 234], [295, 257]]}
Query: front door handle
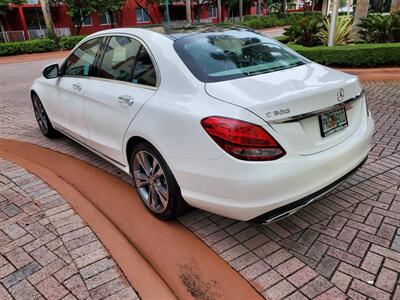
{"points": [[77, 86], [125, 99]]}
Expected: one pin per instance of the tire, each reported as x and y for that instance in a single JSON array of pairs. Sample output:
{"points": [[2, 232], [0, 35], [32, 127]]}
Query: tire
{"points": [[42, 119], [155, 183]]}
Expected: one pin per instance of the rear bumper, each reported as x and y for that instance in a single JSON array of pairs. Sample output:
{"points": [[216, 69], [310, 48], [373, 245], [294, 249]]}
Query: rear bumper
{"points": [[245, 190], [291, 208]]}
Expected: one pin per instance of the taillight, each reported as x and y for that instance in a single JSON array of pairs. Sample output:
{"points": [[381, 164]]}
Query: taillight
{"points": [[242, 140]]}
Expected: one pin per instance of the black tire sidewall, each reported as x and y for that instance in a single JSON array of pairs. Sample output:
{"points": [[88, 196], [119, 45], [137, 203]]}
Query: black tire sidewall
{"points": [[51, 132]]}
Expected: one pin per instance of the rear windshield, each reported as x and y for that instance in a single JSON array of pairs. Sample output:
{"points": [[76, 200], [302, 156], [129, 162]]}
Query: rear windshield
{"points": [[233, 54]]}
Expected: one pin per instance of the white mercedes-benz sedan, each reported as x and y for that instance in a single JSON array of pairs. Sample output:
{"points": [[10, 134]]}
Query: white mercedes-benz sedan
{"points": [[229, 121]]}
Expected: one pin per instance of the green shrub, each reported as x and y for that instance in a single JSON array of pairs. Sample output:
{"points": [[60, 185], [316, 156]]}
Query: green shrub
{"points": [[396, 27], [31, 46], [256, 22], [283, 39], [343, 35], [378, 28], [304, 31], [356, 55], [69, 42], [274, 20]]}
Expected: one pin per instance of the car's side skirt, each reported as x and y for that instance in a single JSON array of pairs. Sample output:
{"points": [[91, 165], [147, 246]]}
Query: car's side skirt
{"points": [[109, 159]]}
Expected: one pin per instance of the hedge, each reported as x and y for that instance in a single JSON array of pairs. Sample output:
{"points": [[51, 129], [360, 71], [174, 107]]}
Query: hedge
{"points": [[274, 20], [356, 55], [31, 46], [69, 42]]}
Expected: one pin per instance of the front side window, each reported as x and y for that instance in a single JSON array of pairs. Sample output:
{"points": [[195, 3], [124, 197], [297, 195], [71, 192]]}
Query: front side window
{"points": [[233, 54], [142, 15], [119, 58], [80, 63]]}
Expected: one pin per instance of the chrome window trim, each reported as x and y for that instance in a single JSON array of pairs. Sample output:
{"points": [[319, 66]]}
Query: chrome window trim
{"points": [[158, 73], [316, 112]]}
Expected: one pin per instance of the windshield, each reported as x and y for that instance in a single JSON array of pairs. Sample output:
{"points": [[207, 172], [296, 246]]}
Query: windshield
{"points": [[233, 54]]}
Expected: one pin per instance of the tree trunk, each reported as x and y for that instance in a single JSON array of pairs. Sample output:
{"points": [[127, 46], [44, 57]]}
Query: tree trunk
{"points": [[119, 16], [111, 14], [47, 19], [283, 7], [259, 7], [324, 7], [395, 6], [361, 12], [78, 28], [188, 11], [219, 10], [241, 10]]}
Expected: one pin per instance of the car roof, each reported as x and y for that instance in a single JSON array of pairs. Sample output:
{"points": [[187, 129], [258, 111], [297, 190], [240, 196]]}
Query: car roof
{"points": [[173, 35]]}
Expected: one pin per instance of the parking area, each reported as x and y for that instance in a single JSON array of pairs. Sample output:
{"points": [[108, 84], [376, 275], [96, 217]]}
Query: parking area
{"points": [[346, 244]]}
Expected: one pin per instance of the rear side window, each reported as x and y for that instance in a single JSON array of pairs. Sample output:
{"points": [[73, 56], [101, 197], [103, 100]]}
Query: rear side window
{"points": [[125, 59], [144, 72], [119, 58], [81, 61]]}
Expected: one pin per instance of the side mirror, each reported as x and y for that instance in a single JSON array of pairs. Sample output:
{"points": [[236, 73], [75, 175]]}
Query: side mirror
{"points": [[51, 71]]}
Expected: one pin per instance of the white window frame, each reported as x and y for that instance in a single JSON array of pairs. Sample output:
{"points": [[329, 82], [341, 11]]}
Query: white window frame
{"points": [[143, 15], [108, 18], [212, 12], [88, 25]]}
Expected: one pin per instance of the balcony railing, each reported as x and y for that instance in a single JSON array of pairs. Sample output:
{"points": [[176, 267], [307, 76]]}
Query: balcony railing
{"points": [[11, 36], [42, 33], [19, 36]]}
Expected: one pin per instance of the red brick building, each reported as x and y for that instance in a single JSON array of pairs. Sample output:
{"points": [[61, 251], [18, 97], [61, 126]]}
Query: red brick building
{"points": [[26, 21]]}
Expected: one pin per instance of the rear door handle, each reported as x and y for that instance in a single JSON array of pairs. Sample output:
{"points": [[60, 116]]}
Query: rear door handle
{"points": [[125, 99], [77, 86]]}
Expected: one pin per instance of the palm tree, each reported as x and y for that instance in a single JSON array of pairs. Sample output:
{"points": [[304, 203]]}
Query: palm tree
{"points": [[219, 11], [361, 12], [283, 7], [188, 11], [47, 18], [395, 6]]}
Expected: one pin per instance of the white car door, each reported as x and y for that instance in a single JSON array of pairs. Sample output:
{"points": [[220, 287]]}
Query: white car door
{"points": [[70, 88], [126, 80]]}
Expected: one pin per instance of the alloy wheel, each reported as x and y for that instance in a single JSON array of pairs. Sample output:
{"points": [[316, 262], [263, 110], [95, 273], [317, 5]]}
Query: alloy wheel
{"points": [[40, 114], [150, 181]]}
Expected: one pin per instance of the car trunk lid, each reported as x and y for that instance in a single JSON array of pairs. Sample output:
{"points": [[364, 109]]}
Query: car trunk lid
{"points": [[286, 98]]}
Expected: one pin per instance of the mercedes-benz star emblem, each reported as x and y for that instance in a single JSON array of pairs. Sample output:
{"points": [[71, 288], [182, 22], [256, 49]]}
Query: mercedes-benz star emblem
{"points": [[340, 95]]}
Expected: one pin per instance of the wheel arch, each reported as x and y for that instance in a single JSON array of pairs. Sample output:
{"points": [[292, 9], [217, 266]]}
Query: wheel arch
{"points": [[132, 142]]}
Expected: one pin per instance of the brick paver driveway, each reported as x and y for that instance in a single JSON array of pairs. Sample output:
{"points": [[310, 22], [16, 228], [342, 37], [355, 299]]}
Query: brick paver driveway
{"points": [[346, 245], [47, 249]]}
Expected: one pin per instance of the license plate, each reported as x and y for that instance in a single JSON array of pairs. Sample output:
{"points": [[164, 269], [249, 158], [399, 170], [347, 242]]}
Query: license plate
{"points": [[333, 121]]}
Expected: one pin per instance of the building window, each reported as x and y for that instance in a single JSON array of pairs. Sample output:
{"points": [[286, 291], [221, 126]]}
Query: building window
{"points": [[142, 15], [105, 19], [87, 21], [212, 12]]}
